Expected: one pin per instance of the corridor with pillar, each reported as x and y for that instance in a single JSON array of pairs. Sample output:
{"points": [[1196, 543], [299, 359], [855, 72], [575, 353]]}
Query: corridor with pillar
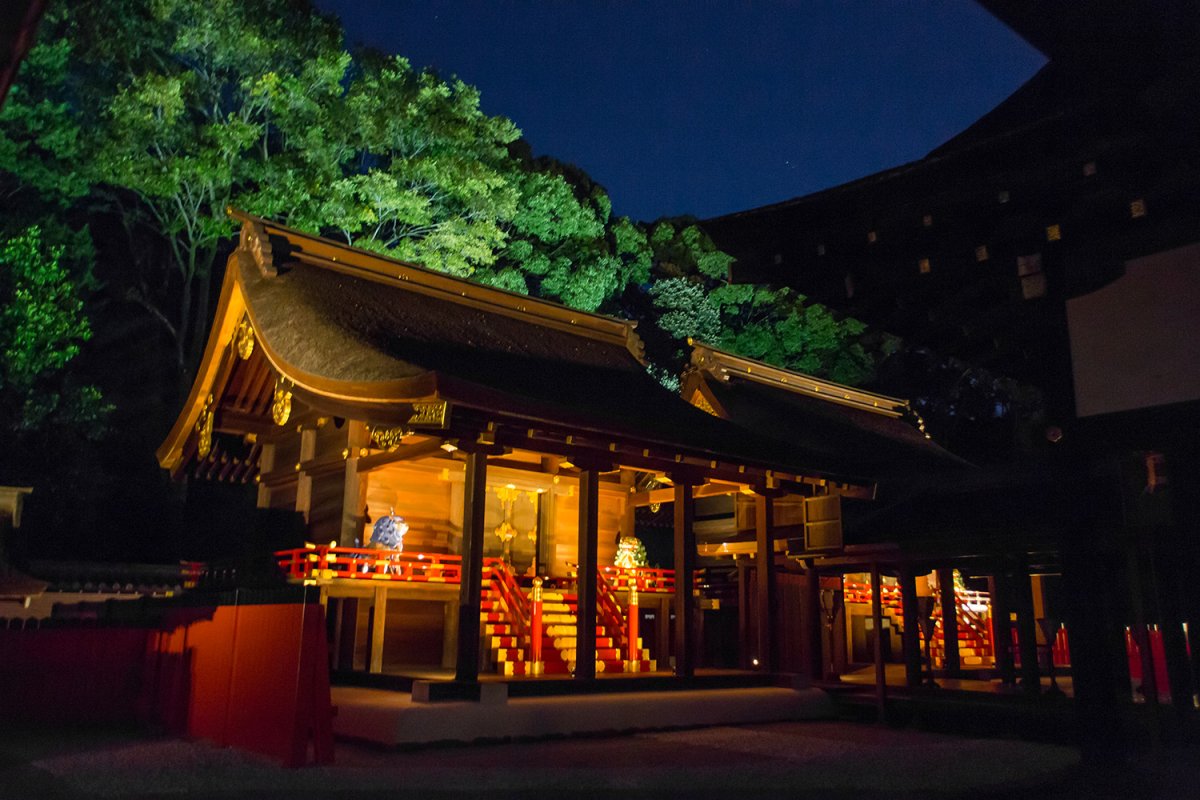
{"points": [[894, 622]]}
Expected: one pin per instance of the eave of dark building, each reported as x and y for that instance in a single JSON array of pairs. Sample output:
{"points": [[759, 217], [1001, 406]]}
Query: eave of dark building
{"points": [[1122, 113]]}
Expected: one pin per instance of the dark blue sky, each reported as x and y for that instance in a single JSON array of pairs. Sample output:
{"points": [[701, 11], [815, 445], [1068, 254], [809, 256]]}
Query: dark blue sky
{"points": [[712, 107]]}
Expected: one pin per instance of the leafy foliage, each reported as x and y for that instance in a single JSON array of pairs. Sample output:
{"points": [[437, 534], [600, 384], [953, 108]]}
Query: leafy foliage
{"points": [[42, 327]]}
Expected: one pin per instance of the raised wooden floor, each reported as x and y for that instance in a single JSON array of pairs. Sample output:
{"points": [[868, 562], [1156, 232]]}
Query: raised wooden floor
{"points": [[393, 718]]}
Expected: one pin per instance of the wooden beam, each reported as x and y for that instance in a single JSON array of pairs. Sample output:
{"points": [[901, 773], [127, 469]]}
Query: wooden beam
{"points": [[404, 453], [667, 495], [227, 420]]}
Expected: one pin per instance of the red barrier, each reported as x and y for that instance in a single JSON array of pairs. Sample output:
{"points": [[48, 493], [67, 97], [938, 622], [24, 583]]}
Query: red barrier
{"points": [[71, 674], [252, 676], [1159, 657], [1152, 637]]}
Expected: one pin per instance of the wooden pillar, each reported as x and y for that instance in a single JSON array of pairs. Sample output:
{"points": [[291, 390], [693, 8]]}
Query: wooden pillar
{"points": [[308, 450], [877, 625], [952, 663], [470, 590], [764, 531], [378, 626], [745, 641], [354, 490], [347, 638], [1031, 678], [585, 613], [816, 626], [685, 567], [266, 463], [449, 634], [1002, 628], [912, 626]]}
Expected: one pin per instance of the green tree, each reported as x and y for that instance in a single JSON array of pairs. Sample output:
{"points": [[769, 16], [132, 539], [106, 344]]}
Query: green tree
{"points": [[42, 327]]}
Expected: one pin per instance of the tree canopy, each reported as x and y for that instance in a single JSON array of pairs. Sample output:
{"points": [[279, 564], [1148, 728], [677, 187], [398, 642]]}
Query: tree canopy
{"points": [[134, 124], [161, 113]]}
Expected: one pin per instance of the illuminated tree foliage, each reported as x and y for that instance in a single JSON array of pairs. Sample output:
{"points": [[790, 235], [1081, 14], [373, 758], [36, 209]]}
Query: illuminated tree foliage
{"points": [[42, 327], [158, 114]]}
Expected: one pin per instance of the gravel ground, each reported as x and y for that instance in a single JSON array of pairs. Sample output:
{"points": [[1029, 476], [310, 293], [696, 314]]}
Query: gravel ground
{"points": [[806, 759]]}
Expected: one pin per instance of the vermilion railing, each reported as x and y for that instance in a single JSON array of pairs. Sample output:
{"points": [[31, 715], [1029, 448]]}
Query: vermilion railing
{"points": [[365, 563], [646, 579], [505, 584], [609, 611]]}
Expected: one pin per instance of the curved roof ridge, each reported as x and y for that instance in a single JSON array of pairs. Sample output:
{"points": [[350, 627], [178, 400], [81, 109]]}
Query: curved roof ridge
{"points": [[726, 364], [338, 256]]}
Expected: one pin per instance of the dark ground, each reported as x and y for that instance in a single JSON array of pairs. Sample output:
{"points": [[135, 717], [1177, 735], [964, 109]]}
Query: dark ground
{"points": [[804, 759]]}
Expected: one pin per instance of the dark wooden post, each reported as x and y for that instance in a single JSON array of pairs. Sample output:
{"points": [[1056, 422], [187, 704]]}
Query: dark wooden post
{"points": [[470, 590], [877, 624], [1002, 628], [816, 622], [1031, 678], [685, 567], [949, 601], [912, 625], [764, 530], [1170, 587], [1140, 630], [585, 613], [744, 642]]}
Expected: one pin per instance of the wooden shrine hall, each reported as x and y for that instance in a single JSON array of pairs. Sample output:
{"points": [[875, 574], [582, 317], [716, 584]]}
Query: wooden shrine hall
{"points": [[505, 443]]}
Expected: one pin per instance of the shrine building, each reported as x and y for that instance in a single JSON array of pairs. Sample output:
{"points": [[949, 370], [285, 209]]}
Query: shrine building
{"points": [[462, 456]]}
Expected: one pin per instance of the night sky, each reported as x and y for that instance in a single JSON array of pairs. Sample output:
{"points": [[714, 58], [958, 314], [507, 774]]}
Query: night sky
{"points": [[706, 108]]}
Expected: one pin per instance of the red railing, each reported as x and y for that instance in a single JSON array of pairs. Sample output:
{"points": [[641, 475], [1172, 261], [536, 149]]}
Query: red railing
{"points": [[609, 611], [322, 562], [646, 579], [505, 583]]}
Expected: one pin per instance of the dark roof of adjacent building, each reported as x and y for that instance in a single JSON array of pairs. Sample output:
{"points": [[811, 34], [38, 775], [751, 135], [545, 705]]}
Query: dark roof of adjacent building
{"points": [[881, 434], [1092, 162]]}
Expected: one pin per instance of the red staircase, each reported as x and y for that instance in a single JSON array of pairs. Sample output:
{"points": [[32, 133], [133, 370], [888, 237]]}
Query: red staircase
{"points": [[974, 637], [506, 617]]}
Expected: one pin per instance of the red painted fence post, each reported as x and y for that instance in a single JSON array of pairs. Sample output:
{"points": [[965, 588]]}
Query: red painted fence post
{"points": [[535, 630], [634, 664]]}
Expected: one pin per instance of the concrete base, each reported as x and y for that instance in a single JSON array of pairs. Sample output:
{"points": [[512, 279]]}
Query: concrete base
{"points": [[393, 718]]}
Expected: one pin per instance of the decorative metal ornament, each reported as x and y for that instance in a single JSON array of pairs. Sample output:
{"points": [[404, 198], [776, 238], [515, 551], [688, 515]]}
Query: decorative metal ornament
{"points": [[388, 438], [281, 405], [204, 427], [243, 340], [255, 245]]}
